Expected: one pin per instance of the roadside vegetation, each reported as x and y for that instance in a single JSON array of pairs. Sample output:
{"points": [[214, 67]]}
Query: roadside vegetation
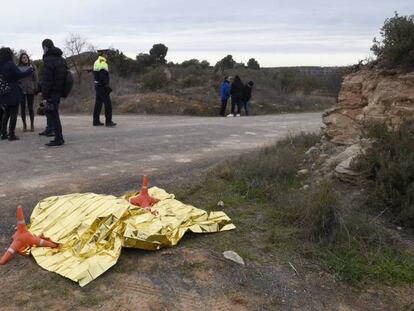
{"points": [[320, 228], [192, 87], [389, 168], [194, 91]]}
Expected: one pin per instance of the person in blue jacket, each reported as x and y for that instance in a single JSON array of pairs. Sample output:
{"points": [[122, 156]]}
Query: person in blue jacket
{"points": [[225, 95], [11, 100]]}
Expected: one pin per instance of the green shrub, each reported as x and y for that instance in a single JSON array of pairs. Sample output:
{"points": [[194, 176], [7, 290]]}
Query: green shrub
{"points": [[321, 219], [155, 79], [253, 64], [190, 62], [124, 66], [291, 80], [205, 64], [191, 81], [389, 164], [396, 47], [226, 63], [158, 53]]}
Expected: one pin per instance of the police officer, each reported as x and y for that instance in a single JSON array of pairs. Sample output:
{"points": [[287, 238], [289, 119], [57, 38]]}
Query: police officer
{"points": [[102, 89]]}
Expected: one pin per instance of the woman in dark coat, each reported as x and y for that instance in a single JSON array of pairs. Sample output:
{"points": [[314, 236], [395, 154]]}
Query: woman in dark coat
{"points": [[11, 100], [237, 94], [29, 88]]}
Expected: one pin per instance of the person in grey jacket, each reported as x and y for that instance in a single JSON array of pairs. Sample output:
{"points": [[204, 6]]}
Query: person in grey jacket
{"points": [[29, 90]]}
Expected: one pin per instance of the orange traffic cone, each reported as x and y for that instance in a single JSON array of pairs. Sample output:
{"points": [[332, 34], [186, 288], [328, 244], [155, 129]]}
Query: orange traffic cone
{"points": [[143, 200], [23, 240]]}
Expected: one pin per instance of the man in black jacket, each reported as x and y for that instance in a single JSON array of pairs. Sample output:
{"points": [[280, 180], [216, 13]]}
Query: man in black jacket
{"points": [[52, 85], [247, 96]]}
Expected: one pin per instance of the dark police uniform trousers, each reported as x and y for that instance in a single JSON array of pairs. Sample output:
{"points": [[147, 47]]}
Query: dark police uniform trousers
{"points": [[102, 98]]}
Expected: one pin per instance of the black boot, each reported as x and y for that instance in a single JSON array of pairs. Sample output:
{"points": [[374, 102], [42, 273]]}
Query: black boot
{"points": [[110, 124], [13, 137], [47, 133], [99, 123], [56, 143]]}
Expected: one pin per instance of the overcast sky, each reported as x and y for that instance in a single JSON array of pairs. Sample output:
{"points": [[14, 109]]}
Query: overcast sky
{"points": [[276, 33]]}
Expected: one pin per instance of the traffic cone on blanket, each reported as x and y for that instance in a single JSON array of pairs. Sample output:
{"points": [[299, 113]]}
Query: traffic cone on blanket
{"points": [[144, 200], [23, 240]]}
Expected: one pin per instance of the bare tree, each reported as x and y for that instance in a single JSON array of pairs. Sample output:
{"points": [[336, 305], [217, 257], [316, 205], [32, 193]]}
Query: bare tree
{"points": [[75, 45]]}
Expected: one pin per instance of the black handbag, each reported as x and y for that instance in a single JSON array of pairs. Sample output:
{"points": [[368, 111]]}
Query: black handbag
{"points": [[4, 86], [41, 111], [45, 108]]}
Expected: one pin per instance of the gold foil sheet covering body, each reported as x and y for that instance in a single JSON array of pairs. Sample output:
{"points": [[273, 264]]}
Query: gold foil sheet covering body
{"points": [[92, 229]]}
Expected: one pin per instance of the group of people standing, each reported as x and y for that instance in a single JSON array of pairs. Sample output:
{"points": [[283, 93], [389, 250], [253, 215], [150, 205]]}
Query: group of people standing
{"points": [[239, 93], [19, 84]]}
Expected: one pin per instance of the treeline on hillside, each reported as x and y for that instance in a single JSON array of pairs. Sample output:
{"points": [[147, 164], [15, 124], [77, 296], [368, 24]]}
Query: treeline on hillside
{"points": [[154, 72], [196, 82], [193, 73]]}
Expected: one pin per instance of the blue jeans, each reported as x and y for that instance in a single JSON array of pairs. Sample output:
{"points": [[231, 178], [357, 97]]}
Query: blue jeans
{"points": [[246, 106], [54, 118], [49, 125], [236, 104], [223, 106]]}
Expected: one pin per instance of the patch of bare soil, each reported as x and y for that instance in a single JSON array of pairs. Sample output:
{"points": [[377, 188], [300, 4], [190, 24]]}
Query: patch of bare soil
{"points": [[157, 103], [189, 279], [153, 103]]}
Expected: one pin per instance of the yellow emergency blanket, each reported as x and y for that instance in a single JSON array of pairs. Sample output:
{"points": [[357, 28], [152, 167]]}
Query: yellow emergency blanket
{"points": [[93, 228]]}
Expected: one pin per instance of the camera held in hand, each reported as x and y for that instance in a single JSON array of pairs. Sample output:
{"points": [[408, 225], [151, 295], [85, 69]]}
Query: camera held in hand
{"points": [[45, 107]]}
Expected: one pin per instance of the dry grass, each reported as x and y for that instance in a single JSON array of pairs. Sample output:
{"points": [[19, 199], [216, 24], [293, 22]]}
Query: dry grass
{"points": [[277, 221]]}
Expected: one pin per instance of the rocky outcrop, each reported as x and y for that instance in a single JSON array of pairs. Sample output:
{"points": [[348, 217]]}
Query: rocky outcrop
{"points": [[366, 96], [344, 168], [369, 95]]}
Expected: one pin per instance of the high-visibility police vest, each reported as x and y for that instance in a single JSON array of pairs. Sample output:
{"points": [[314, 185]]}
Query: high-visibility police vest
{"points": [[100, 64]]}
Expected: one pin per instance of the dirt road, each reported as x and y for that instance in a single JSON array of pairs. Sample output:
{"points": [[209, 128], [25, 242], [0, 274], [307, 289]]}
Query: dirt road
{"points": [[112, 160]]}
